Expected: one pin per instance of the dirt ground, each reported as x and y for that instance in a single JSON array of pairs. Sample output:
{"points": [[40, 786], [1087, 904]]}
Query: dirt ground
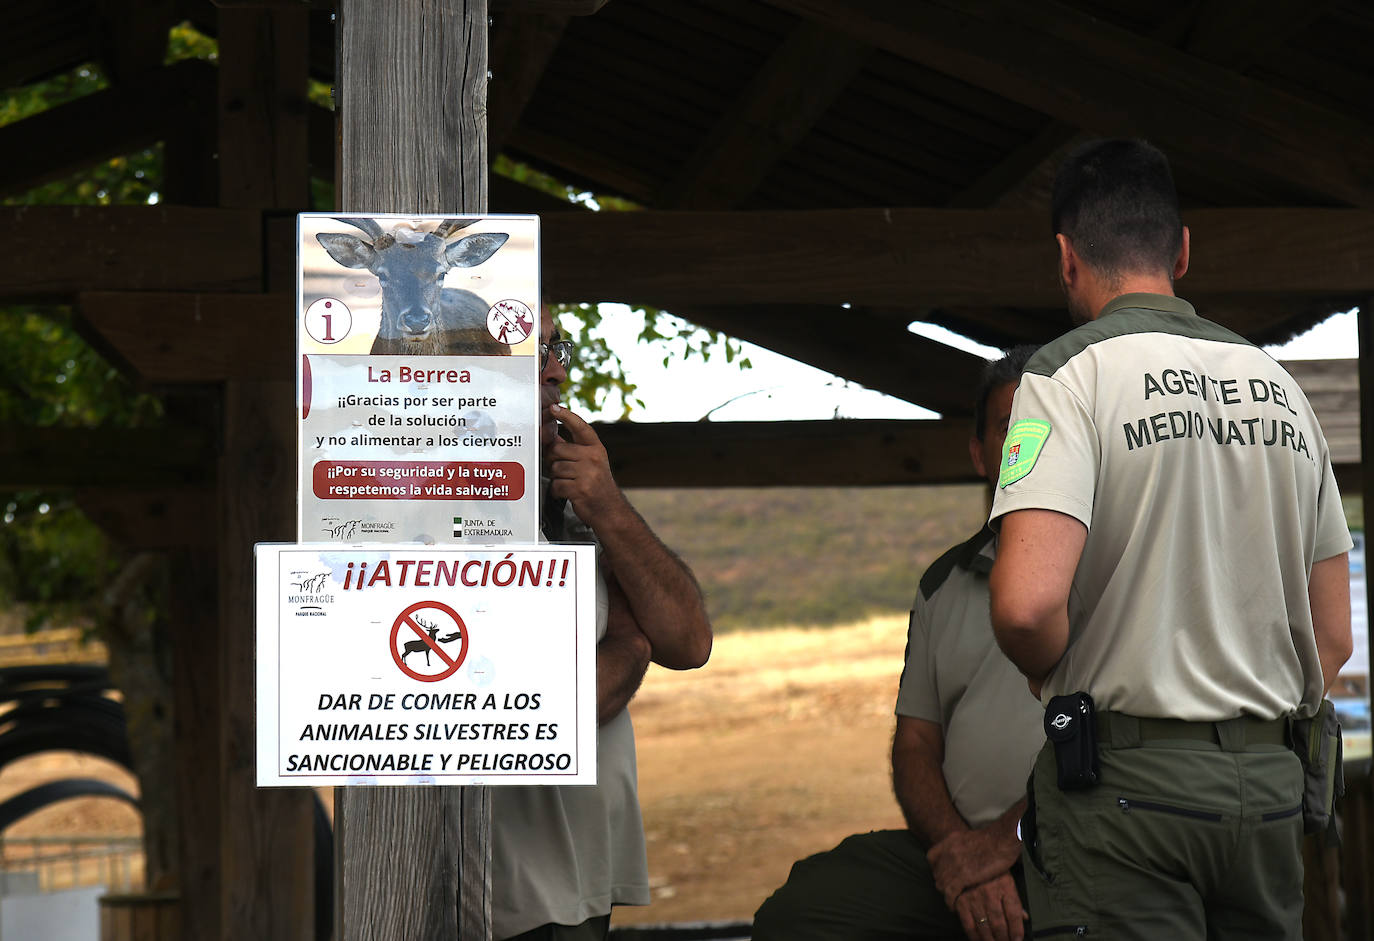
{"points": [[775, 750]]}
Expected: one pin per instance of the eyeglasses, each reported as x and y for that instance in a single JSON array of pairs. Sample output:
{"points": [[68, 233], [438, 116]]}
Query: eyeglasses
{"points": [[562, 351]]}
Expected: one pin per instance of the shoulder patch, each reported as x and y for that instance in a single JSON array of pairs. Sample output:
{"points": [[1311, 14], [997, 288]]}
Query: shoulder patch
{"points": [[1024, 441]]}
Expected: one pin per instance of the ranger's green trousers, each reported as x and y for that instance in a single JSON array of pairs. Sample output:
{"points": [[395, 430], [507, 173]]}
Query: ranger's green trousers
{"points": [[1180, 840]]}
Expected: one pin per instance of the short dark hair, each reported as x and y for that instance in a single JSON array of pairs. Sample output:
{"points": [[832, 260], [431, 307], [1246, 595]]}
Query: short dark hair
{"points": [[1116, 202], [997, 373]]}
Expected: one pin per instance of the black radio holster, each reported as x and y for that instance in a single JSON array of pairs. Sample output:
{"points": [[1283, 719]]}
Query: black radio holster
{"points": [[1071, 725]]}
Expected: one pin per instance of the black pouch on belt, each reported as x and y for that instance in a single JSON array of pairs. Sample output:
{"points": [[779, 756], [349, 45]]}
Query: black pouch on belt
{"points": [[1318, 743], [1071, 724]]}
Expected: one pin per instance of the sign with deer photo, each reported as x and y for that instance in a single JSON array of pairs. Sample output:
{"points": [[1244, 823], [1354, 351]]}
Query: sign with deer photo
{"points": [[418, 384], [426, 665]]}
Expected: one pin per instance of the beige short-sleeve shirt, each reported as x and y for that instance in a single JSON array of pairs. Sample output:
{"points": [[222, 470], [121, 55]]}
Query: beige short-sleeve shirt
{"points": [[1206, 485], [956, 677]]}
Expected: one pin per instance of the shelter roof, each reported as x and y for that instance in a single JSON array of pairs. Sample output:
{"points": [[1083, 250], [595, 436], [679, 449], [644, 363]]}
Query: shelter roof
{"points": [[813, 175]]}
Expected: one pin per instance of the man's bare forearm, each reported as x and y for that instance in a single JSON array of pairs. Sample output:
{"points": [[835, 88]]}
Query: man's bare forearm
{"points": [[1329, 596], [919, 783], [665, 598], [622, 657]]}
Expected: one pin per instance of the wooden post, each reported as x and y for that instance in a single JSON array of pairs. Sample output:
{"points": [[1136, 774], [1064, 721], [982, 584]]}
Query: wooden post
{"points": [[411, 85], [267, 836]]}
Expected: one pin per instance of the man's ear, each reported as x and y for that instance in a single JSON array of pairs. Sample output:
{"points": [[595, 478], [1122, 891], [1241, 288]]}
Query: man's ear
{"points": [[975, 453], [1068, 260], [1181, 263]]}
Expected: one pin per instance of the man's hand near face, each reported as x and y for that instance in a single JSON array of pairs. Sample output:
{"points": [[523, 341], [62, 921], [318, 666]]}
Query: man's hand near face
{"points": [[580, 471]]}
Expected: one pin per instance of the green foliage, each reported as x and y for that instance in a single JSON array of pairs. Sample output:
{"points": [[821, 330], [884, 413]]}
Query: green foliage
{"points": [[53, 560], [50, 376]]}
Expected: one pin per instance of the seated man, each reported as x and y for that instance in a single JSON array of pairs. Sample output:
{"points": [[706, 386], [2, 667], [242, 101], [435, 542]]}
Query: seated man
{"points": [[967, 735]]}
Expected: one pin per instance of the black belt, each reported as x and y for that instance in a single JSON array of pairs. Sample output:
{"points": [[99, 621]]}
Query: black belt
{"points": [[1124, 731]]}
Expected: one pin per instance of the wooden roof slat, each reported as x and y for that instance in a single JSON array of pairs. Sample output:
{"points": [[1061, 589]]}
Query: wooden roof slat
{"points": [[788, 94], [794, 186], [1235, 33], [881, 96], [551, 7], [1080, 70], [841, 145], [521, 47], [594, 165]]}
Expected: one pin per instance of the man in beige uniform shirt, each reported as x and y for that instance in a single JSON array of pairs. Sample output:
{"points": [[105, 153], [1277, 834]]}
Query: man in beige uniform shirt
{"points": [[563, 856], [967, 732], [1173, 545]]}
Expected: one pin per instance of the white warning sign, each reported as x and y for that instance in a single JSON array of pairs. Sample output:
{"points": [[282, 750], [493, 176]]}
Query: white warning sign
{"points": [[426, 665]]}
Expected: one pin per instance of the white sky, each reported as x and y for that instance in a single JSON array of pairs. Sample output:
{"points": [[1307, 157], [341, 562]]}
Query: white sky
{"points": [[781, 388]]}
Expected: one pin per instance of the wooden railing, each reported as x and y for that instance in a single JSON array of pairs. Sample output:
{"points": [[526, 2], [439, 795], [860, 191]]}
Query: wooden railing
{"points": [[59, 645], [69, 862]]}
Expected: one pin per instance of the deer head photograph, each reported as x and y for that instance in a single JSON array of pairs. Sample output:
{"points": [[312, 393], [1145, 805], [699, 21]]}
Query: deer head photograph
{"points": [[419, 315]]}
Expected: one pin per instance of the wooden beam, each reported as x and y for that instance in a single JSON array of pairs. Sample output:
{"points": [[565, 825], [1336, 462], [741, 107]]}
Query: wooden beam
{"points": [[877, 352], [783, 101], [413, 862], [156, 518], [174, 456], [267, 853], [135, 35], [923, 257], [1082, 71], [203, 338], [844, 452], [119, 120], [194, 338], [129, 248], [521, 46], [839, 453], [901, 257], [263, 109]]}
